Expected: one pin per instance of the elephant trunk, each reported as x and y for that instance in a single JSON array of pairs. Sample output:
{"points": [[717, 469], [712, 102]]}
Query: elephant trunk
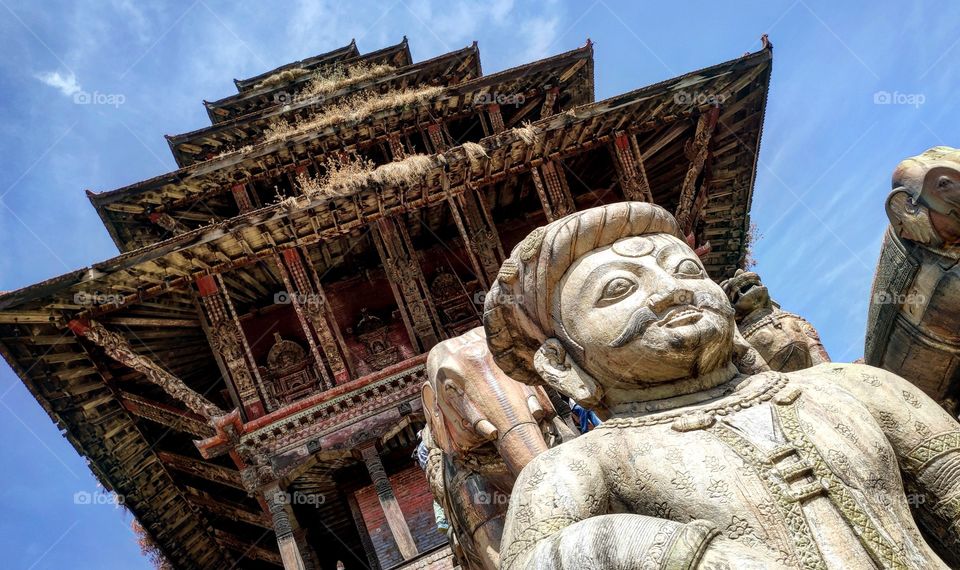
{"points": [[520, 444]]}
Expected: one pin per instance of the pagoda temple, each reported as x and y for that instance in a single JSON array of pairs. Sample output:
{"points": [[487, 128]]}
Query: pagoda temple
{"points": [[246, 374]]}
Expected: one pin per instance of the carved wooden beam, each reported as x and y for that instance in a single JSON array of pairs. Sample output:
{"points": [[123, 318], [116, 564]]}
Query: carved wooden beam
{"points": [[630, 170], [402, 265], [549, 102], [298, 306], [118, 348], [165, 415], [242, 197], [551, 184], [479, 234], [436, 137], [496, 118], [245, 549], [314, 304], [396, 147], [699, 152], [227, 340], [228, 509], [168, 222], [202, 469]]}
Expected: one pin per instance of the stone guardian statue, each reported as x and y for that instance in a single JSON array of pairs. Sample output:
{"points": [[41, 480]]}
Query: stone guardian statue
{"points": [[700, 465]]}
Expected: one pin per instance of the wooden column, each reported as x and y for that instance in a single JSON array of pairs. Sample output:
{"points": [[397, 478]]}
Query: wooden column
{"points": [[391, 509], [699, 152], [551, 184], [630, 170], [226, 338], [371, 552], [283, 527], [402, 265], [119, 349], [496, 118], [314, 304]]}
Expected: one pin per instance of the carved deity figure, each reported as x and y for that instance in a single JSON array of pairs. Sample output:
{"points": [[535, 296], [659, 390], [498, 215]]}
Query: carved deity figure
{"points": [[699, 465], [913, 325], [787, 342], [484, 427]]}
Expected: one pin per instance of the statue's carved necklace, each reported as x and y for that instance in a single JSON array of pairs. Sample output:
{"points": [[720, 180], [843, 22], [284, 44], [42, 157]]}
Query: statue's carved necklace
{"points": [[686, 419]]}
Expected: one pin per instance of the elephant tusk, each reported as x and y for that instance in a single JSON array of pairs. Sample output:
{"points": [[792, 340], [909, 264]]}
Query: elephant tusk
{"points": [[536, 410], [486, 430]]}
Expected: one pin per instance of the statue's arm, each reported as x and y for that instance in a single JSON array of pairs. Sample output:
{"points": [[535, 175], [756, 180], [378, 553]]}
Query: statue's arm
{"points": [[558, 520], [926, 440], [818, 353]]}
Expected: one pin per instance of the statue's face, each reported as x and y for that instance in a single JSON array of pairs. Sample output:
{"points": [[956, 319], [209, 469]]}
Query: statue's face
{"points": [[748, 293], [644, 310]]}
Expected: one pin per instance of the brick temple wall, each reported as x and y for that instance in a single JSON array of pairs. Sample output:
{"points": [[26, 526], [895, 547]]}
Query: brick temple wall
{"points": [[416, 502]]}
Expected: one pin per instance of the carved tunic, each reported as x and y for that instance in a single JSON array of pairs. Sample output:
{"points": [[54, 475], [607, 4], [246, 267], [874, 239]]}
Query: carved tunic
{"points": [[799, 471]]}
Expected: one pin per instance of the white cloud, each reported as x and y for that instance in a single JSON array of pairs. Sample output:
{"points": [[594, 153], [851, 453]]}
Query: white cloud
{"points": [[67, 84], [541, 34]]}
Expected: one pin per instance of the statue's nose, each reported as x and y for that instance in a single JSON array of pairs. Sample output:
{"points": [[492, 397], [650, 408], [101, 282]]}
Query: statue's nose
{"points": [[673, 293]]}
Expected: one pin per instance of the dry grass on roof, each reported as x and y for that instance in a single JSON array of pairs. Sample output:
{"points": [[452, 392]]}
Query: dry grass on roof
{"points": [[528, 133], [475, 153], [354, 108], [282, 77], [337, 77], [344, 177]]}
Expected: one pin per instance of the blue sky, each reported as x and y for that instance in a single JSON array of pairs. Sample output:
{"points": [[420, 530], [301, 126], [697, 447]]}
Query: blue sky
{"points": [[825, 163]]}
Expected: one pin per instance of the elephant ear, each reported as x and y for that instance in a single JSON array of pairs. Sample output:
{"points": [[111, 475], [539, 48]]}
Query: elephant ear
{"points": [[434, 417]]}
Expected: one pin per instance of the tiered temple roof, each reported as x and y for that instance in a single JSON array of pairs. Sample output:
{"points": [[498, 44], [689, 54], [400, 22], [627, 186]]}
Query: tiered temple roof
{"points": [[267, 322]]}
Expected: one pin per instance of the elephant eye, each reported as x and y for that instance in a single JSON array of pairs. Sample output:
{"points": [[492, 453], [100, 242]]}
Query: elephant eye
{"points": [[689, 268], [615, 290]]}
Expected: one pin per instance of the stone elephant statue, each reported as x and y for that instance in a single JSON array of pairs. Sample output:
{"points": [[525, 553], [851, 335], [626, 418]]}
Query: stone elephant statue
{"points": [[913, 323], [484, 427]]}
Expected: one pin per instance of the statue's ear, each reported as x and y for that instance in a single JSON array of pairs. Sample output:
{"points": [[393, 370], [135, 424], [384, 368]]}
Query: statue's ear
{"points": [[561, 373], [434, 418]]}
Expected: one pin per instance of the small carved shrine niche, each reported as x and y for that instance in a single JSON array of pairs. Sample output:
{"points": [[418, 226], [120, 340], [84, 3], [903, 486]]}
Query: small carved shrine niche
{"points": [[373, 333], [458, 314], [290, 373]]}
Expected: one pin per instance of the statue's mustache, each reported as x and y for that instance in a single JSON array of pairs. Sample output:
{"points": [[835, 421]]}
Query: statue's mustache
{"points": [[642, 318]]}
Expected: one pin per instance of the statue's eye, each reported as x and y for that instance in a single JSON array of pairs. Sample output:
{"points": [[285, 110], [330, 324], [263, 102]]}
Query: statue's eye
{"points": [[689, 268], [616, 289]]}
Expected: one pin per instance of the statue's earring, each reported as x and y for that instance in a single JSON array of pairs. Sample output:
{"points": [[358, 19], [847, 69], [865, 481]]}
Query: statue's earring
{"points": [[561, 373]]}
